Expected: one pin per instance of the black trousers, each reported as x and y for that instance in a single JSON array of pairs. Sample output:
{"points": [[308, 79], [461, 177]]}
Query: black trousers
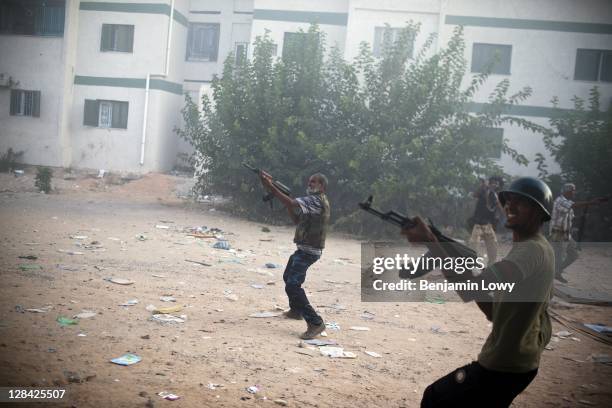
{"points": [[474, 386], [294, 276]]}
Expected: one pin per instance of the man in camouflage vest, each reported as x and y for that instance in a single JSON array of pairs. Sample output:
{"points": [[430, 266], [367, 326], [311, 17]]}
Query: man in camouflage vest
{"points": [[311, 215]]}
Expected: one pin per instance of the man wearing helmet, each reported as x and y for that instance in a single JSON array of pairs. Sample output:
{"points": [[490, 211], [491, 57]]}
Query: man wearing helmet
{"points": [[510, 357]]}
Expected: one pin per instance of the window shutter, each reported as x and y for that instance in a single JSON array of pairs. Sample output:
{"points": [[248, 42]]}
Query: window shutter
{"points": [[130, 39], [587, 65], [14, 101], [606, 67], [120, 115], [106, 41], [90, 118], [189, 39], [215, 42], [36, 104]]}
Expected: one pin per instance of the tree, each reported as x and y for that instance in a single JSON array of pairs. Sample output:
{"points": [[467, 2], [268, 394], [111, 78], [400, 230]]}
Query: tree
{"points": [[397, 127], [581, 142]]}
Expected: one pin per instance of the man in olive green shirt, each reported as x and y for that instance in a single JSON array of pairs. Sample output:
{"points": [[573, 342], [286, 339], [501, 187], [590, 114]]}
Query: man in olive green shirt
{"points": [[510, 357]]}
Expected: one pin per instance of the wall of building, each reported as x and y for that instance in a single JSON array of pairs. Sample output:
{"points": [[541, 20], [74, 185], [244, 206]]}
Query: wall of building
{"points": [[37, 63], [290, 16], [544, 39], [120, 76], [365, 15]]}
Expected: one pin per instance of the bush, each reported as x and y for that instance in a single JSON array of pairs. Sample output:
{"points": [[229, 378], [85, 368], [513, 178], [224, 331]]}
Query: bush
{"points": [[43, 179], [9, 159]]}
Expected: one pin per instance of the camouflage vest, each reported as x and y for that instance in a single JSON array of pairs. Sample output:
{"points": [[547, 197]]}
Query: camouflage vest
{"points": [[312, 229]]}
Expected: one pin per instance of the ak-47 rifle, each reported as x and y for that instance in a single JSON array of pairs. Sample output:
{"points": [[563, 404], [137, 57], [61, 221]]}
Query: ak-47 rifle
{"points": [[583, 219], [268, 197], [452, 248]]}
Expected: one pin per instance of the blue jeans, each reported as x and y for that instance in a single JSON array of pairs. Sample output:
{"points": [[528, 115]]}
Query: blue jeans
{"points": [[294, 276]]}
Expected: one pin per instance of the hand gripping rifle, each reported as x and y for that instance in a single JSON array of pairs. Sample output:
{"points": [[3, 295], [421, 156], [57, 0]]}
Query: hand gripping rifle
{"points": [[268, 197], [452, 248]]}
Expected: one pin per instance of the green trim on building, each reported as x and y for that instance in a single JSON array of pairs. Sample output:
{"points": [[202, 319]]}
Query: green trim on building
{"points": [[139, 83], [143, 8], [340, 19], [520, 24], [522, 110]]}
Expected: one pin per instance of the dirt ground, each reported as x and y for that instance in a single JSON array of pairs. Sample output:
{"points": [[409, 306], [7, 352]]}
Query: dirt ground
{"points": [[218, 351]]}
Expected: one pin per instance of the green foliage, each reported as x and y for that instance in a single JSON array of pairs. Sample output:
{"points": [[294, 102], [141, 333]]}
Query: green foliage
{"points": [[581, 142], [43, 179], [396, 127], [9, 159]]}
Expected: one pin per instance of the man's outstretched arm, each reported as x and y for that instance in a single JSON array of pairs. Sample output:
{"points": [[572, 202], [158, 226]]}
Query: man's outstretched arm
{"points": [[289, 202]]}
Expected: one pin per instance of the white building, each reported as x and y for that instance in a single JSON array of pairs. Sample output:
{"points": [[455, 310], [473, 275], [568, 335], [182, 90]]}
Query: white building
{"points": [[83, 98]]}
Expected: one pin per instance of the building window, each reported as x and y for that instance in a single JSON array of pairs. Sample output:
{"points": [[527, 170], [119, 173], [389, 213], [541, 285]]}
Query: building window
{"points": [[203, 42], [25, 103], [105, 114], [593, 65], [495, 57], [240, 52], [387, 37], [492, 139], [117, 37], [32, 17]]}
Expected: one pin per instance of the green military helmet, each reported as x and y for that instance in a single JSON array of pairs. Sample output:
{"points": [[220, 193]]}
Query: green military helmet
{"points": [[534, 189]]}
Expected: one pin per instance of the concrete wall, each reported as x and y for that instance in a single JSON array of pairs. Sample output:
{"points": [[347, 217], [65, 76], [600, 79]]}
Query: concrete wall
{"points": [[365, 15], [121, 76], [37, 63], [543, 57], [290, 16]]}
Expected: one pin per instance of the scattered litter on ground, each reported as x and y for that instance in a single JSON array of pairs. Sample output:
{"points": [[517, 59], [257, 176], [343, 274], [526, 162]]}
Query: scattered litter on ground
{"points": [[264, 314], [167, 299], [336, 352], [44, 309], [85, 314], [68, 268], [69, 252], [281, 402], [271, 265], [126, 359], [141, 237], [29, 267], [119, 281], [79, 237], [599, 328], [198, 262], [168, 396], [162, 227], [601, 358], [257, 286], [373, 354], [167, 310], [437, 330], [367, 315], [130, 302], [221, 245], [253, 389], [167, 318], [30, 257], [319, 342], [265, 229], [360, 328], [159, 276], [562, 334], [66, 321], [332, 326]]}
